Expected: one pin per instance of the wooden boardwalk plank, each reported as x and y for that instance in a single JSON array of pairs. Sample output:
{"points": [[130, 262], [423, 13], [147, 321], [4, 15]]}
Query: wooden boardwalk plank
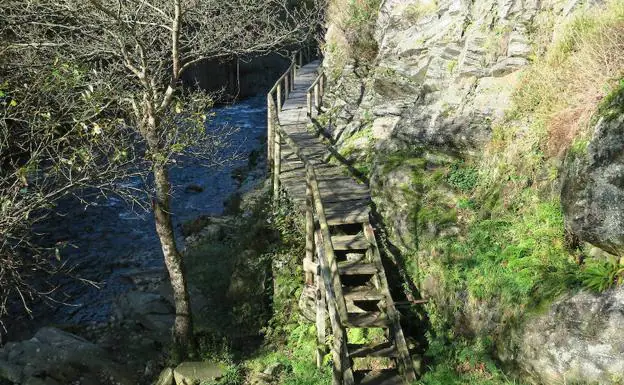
{"points": [[343, 198]]}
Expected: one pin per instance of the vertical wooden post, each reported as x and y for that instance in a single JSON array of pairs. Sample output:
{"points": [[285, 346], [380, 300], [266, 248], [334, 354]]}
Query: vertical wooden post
{"points": [[293, 76], [317, 100], [277, 160], [322, 84], [321, 317], [309, 229], [286, 86], [309, 95], [279, 98], [270, 129]]}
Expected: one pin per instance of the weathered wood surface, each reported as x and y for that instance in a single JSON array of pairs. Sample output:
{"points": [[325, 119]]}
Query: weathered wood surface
{"points": [[344, 199], [343, 266]]}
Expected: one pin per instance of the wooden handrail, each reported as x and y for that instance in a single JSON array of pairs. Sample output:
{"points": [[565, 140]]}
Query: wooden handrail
{"points": [[281, 78], [273, 109], [318, 90], [318, 229], [322, 221]]}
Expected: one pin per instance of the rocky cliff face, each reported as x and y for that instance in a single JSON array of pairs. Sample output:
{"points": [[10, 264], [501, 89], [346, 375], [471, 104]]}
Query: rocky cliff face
{"points": [[593, 189], [429, 111]]}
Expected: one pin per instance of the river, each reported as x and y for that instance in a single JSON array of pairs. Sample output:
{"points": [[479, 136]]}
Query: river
{"points": [[111, 241]]}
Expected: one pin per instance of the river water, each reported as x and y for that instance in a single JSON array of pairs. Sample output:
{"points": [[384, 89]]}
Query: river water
{"points": [[111, 241]]}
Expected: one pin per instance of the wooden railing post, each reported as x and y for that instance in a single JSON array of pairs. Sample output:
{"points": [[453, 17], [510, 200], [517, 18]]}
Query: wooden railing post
{"points": [[321, 316], [270, 129], [317, 100], [279, 97], [309, 95], [309, 229], [287, 85], [277, 161]]}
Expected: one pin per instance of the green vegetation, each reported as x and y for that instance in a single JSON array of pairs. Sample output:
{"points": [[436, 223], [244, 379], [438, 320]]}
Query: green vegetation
{"points": [[358, 23], [600, 275], [416, 12], [613, 104], [490, 236], [252, 321], [358, 148], [462, 178], [585, 65], [462, 363]]}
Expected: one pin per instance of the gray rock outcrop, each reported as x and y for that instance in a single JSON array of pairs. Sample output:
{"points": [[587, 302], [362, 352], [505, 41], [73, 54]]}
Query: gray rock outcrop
{"points": [[593, 188], [443, 78], [53, 357], [578, 340]]}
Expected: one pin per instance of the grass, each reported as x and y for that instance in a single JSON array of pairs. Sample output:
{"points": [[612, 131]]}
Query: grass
{"points": [[290, 341], [458, 362], [510, 256], [562, 89], [356, 20], [416, 12], [601, 275]]}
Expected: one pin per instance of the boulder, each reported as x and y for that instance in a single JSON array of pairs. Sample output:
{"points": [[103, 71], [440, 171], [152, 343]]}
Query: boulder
{"points": [[194, 373], [150, 310], [593, 188], [580, 339], [54, 357], [165, 377]]}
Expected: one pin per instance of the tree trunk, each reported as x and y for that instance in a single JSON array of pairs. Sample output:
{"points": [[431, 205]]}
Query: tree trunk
{"points": [[183, 339]]}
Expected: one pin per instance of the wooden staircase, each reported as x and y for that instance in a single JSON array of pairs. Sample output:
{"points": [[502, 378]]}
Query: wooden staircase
{"points": [[343, 267]]}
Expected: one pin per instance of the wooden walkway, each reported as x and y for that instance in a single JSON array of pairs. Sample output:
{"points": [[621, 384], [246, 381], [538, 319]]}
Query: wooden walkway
{"points": [[345, 277], [344, 200]]}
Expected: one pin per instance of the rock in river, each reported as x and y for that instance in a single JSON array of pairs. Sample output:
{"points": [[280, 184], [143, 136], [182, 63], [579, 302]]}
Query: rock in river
{"points": [[53, 356]]}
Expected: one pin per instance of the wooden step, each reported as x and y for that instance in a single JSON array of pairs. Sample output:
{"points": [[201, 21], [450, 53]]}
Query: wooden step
{"points": [[347, 216], [383, 377], [383, 349], [367, 320], [361, 293], [356, 268], [353, 308], [350, 242]]}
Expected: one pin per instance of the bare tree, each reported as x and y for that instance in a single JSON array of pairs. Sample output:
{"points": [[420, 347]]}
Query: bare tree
{"points": [[132, 54]]}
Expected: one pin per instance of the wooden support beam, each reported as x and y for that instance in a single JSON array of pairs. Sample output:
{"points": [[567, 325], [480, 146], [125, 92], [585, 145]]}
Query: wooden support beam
{"points": [[277, 159], [270, 124], [309, 229], [321, 320], [310, 267], [317, 100]]}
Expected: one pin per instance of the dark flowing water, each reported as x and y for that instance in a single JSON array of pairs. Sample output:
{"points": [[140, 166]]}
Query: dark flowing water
{"points": [[112, 241]]}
